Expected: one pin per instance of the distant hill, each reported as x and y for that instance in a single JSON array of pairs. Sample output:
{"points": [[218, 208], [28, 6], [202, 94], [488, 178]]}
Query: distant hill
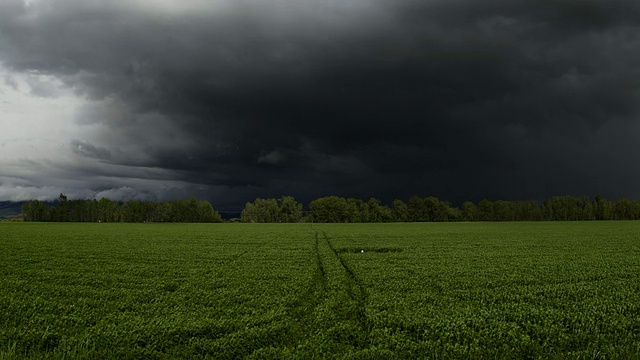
{"points": [[9, 209]]}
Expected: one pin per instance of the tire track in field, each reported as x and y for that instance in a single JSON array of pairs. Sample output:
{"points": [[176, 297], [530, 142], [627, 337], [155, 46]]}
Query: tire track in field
{"points": [[332, 278], [316, 291], [332, 308], [321, 275], [355, 288]]}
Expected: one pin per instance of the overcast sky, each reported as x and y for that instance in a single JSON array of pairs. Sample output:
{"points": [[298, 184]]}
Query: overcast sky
{"points": [[230, 100]]}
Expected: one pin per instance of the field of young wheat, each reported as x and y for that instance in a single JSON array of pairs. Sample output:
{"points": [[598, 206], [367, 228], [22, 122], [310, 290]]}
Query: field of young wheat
{"points": [[429, 290]]}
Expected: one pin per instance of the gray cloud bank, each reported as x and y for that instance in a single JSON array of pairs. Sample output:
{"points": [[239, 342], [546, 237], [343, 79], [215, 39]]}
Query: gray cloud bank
{"points": [[236, 99]]}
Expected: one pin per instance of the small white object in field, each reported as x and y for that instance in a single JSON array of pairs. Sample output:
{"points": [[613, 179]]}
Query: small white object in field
{"points": [[361, 251]]}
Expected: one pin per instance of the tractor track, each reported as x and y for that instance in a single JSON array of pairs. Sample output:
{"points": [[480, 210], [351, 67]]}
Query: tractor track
{"points": [[334, 300], [316, 290], [355, 288], [332, 277]]}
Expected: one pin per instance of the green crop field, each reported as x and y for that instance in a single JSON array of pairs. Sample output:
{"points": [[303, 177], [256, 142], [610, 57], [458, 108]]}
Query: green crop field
{"points": [[363, 291]]}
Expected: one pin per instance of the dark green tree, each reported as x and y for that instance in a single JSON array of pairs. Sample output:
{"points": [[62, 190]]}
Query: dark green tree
{"points": [[377, 212], [399, 211], [133, 211], [329, 209], [290, 210], [35, 210], [485, 210], [436, 210], [207, 214], [416, 209], [469, 211], [357, 211], [61, 211]]}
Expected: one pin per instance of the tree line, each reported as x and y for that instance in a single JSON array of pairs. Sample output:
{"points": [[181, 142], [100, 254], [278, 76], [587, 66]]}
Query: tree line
{"points": [[105, 210], [334, 209]]}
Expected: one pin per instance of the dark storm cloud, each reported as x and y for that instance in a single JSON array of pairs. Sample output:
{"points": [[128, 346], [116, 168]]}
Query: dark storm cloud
{"points": [[459, 99]]}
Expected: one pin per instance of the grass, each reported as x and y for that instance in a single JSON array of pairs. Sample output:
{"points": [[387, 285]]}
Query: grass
{"points": [[436, 290]]}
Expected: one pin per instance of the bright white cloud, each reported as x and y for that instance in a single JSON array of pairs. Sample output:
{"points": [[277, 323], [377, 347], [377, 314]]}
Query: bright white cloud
{"points": [[34, 129], [35, 108], [53, 140], [37, 131]]}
